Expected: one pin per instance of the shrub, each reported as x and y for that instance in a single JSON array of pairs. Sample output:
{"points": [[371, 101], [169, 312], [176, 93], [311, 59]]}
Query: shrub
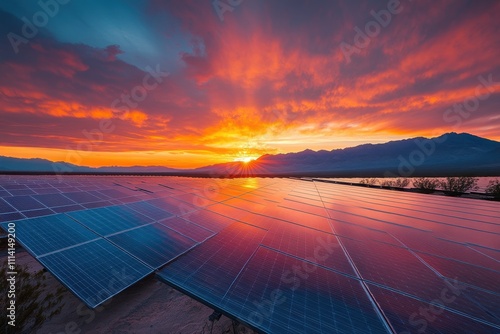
{"points": [[398, 183], [369, 182], [493, 188], [459, 185], [387, 183], [426, 185], [34, 304], [401, 182]]}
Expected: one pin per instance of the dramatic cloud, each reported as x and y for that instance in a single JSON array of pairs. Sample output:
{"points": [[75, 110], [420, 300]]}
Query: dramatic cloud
{"points": [[171, 79]]}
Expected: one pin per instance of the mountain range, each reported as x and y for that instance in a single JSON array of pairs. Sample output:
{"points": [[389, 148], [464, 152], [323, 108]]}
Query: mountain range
{"points": [[446, 155]]}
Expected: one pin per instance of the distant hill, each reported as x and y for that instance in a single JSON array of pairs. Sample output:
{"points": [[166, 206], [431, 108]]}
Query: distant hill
{"points": [[8, 164], [449, 154]]}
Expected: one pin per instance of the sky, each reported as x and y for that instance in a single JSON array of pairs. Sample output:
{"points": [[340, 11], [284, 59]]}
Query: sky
{"points": [[196, 82]]}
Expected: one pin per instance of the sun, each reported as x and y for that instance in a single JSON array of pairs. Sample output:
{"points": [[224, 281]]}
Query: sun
{"points": [[245, 159]]}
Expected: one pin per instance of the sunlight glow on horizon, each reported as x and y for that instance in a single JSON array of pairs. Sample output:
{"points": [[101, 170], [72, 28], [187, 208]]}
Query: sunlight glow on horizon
{"points": [[232, 92]]}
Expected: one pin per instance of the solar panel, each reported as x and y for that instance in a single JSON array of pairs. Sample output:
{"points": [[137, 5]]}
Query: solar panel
{"points": [[37, 213], [150, 210], [314, 301], [308, 244], [409, 315], [51, 200], [153, 244], [397, 250], [47, 234], [209, 270], [189, 229], [95, 271], [81, 197], [22, 203], [6, 217], [484, 278], [209, 220], [172, 205], [4, 207], [109, 220]]}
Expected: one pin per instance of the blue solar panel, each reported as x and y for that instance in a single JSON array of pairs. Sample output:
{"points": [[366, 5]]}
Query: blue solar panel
{"points": [[47, 234], [188, 229], [409, 315], [95, 271], [282, 269], [22, 203], [82, 197], [37, 213], [310, 301], [153, 244], [150, 210], [109, 220], [51, 200], [6, 217], [403, 272], [209, 269], [209, 220], [172, 205], [4, 207], [308, 244]]}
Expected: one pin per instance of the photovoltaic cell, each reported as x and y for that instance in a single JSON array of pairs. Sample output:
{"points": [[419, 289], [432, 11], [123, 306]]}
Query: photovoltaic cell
{"points": [[19, 192], [82, 197], [394, 267], [68, 208], [172, 205], [22, 203], [308, 244], [209, 220], [109, 220], [153, 244], [208, 270], [47, 234], [37, 213], [95, 271], [150, 210], [5, 208], [51, 200], [281, 301], [481, 277], [191, 230], [248, 272], [408, 315], [7, 217]]}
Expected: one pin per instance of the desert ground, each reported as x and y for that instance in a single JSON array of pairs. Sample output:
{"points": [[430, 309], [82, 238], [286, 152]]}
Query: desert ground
{"points": [[148, 307]]}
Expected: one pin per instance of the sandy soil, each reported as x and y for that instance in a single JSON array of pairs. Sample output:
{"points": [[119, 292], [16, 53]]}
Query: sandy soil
{"points": [[147, 307]]}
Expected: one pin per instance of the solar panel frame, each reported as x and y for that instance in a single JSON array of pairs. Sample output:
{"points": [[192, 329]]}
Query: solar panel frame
{"points": [[102, 270], [49, 234]]}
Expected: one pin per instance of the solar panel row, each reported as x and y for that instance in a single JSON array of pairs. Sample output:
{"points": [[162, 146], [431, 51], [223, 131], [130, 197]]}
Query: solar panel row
{"points": [[277, 254]]}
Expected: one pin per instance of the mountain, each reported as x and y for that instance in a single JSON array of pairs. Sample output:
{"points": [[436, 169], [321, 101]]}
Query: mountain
{"points": [[446, 155], [8, 164], [449, 154]]}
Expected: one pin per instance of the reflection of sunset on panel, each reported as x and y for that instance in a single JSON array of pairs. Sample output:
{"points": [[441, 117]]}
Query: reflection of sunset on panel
{"points": [[168, 83]]}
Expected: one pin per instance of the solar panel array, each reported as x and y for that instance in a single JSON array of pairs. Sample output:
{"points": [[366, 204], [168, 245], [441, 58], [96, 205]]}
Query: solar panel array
{"points": [[280, 255]]}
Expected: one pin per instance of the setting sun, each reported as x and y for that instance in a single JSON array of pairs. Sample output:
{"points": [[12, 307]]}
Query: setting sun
{"points": [[245, 159]]}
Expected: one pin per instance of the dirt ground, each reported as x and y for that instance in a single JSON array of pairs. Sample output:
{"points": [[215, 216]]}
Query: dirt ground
{"points": [[147, 307]]}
